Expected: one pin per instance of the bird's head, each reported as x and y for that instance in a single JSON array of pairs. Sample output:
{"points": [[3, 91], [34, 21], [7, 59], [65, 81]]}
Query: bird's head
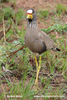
{"points": [[31, 15]]}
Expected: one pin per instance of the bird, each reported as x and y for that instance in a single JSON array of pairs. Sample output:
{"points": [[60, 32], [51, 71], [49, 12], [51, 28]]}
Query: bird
{"points": [[36, 40]]}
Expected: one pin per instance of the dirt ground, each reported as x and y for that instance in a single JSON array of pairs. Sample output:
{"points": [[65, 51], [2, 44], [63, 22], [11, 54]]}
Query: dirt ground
{"points": [[38, 4]]}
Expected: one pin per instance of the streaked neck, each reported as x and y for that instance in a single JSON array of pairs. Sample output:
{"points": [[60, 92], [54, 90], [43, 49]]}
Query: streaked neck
{"points": [[32, 24]]}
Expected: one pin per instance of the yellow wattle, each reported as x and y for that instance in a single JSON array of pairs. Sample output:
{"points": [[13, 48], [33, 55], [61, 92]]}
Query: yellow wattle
{"points": [[29, 16]]}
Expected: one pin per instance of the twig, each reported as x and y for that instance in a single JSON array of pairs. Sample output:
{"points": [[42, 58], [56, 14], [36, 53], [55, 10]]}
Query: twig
{"points": [[49, 75], [52, 30], [12, 53], [1, 31], [8, 28], [4, 30]]}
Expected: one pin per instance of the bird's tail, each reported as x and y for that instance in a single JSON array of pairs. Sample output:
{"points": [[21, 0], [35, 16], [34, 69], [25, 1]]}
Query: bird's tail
{"points": [[55, 49]]}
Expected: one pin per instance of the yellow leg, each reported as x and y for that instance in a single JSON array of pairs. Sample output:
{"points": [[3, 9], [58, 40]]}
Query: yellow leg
{"points": [[36, 61], [38, 69]]}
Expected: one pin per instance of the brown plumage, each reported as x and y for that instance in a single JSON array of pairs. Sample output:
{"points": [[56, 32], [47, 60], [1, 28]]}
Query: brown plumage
{"points": [[37, 41]]}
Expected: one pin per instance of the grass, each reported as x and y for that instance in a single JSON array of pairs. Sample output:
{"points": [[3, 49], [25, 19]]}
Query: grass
{"points": [[21, 81], [43, 14], [61, 9], [57, 27]]}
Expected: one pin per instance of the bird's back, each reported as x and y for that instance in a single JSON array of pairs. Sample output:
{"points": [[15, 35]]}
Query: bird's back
{"points": [[38, 41]]}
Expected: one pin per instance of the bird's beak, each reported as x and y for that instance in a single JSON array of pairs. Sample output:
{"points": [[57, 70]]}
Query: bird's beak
{"points": [[29, 16]]}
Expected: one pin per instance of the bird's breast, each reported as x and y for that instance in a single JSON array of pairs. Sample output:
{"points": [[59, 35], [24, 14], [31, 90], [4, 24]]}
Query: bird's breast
{"points": [[35, 44]]}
